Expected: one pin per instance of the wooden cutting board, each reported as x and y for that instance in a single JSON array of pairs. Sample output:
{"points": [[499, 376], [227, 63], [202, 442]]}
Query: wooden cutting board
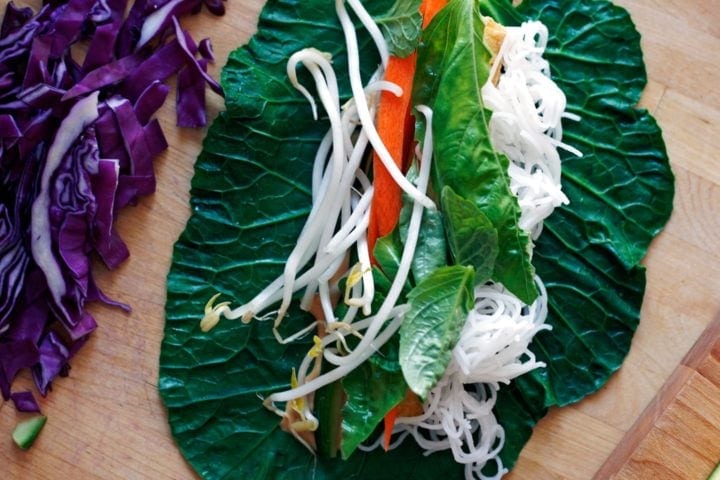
{"points": [[106, 420], [678, 434]]}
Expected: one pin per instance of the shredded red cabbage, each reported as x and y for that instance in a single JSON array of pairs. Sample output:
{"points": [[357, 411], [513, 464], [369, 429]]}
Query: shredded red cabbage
{"points": [[25, 401], [77, 142]]}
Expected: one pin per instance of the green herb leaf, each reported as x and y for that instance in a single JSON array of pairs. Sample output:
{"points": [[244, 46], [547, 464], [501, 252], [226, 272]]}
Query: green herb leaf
{"points": [[473, 239], [431, 248], [371, 393], [387, 253], [401, 27], [453, 64], [439, 305]]}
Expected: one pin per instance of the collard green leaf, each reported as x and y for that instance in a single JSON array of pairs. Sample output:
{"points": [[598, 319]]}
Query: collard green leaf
{"points": [[401, 27], [453, 64], [439, 305], [251, 195], [518, 408], [622, 185], [593, 317], [472, 237]]}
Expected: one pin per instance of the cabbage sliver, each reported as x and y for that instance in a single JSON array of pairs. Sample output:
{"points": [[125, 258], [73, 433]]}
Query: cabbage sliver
{"points": [[77, 142]]}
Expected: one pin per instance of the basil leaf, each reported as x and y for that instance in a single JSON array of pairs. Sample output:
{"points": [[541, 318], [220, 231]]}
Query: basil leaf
{"points": [[472, 237], [387, 253], [401, 27], [453, 64], [431, 248], [439, 306], [371, 393]]}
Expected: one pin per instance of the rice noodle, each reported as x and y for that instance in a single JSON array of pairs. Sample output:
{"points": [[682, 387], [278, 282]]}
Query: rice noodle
{"points": [[492, 346], [527, 110]]}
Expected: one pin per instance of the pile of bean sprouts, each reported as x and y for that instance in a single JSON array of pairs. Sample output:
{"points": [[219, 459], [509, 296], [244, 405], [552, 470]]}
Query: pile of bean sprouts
{"points": [[493, 348]]}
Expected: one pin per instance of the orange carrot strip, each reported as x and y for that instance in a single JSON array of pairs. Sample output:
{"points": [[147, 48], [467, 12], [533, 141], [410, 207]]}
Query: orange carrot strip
{"points": [[391, 124], [429, 8], [389, 425], [396, 128], [410, 406]]}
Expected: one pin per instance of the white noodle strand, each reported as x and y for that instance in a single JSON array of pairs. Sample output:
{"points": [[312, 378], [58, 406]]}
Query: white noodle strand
{"points": [[526, 123]]}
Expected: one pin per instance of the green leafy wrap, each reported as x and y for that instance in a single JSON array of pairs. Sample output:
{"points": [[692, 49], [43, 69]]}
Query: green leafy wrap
{"points": [[250, 195]]}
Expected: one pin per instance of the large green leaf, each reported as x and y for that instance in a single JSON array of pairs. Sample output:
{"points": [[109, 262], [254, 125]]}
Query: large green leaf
{"points": [[251, 195], [453, 65]]}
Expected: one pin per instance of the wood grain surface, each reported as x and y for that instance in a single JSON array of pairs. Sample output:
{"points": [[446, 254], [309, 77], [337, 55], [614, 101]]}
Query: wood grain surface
{"points": [[676, 437], [106, 419]]}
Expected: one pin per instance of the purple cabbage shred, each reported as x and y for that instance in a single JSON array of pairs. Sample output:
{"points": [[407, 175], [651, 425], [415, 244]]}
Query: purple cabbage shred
{"points": [[77, 144], [25, 401]]}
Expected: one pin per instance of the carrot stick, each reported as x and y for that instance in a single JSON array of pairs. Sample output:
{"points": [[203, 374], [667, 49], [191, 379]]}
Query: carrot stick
{"points": [[429, 8], [392, 116], [396, 128], [389, 425], [410, 406]]}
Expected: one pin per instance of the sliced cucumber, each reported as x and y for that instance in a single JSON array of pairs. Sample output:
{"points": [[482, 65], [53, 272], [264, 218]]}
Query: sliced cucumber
{"points": [[715, 475], [27, 431]]}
